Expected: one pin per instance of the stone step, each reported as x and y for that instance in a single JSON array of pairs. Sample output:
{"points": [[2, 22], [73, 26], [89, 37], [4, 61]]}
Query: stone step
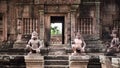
{"points": [[93, 41], [56, 49], [57, 46], [56, 57], [94, 62], [12, 66], [94, 66], [44, 51], [56, 66], [12, 61], [87, 50], [56, 62], [95, 45], [12, 51]]}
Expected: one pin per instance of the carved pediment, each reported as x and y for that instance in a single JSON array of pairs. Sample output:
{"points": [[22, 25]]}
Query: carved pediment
{"points": [[56, 8]]}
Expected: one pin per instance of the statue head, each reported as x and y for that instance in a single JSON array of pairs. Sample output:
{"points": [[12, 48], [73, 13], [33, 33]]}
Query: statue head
{"points": [[78, 35], [34, 35]]}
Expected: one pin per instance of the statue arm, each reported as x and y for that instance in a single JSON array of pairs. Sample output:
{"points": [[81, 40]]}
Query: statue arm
{"points": [[84, 45], [28, 45], [41, 44], [118, 41], [112, 41]]}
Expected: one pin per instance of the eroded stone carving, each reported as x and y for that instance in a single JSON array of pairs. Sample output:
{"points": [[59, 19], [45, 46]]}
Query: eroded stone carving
{"points": [[34, 45], [78, 44]]}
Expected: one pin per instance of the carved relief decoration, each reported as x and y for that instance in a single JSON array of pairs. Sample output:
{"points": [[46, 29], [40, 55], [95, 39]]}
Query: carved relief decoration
{"points": [[57, 1], [56, 8]]}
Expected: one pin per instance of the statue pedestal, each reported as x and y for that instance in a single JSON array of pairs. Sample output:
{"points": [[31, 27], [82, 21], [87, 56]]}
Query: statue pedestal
{"points": [[79, 61], [34, 61], [19, 44], [105, 62], [116, 62]]}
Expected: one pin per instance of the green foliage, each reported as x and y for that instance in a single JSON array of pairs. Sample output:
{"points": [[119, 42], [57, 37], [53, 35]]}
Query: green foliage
{"points": [[55, 30]]}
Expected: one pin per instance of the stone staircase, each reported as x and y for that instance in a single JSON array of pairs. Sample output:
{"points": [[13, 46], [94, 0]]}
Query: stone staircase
{"points": [[12, 61], [94, 44], [94, 62], [56, 57], [58, 61], [57, 49]]}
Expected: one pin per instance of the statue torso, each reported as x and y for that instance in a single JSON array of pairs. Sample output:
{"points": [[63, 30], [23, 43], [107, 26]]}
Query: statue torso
{"points": [[78, 42], [34, 43]]}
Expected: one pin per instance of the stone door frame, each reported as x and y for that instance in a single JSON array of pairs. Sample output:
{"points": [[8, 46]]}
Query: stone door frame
{"points": [[48, 22]]}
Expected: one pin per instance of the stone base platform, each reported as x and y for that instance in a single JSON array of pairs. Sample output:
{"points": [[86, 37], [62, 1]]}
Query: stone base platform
{"points": [[20, 44], [34, 61], [79, 61]]}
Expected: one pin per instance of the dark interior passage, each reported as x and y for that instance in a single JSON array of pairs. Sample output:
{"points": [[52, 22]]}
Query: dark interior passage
{"points": [[57, 22]]}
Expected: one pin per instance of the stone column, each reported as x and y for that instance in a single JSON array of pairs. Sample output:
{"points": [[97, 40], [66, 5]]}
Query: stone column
{"points": [[5, 27], [72, 24], [97, 16], [68, 32], [78, 61], [41, 24], [115, 62], [34, 61]]}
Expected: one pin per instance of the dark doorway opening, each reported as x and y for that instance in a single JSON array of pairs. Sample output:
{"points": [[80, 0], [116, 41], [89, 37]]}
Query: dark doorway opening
{"points": [[57, 30]]}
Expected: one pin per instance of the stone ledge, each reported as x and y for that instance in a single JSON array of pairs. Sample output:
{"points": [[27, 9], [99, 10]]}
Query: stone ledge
{"points": [[20, 44], [79, 58], [34, 57], [56, 66], [12, 61], [116, 62]]}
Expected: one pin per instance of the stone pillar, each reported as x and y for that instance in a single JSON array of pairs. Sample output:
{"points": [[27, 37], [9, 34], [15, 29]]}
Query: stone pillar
{"points": [[68, 30], [97, 16], [5, 27], [78, 61], [115, 62], [34, 61], [72, 24], [41, 24], [105, 62]]}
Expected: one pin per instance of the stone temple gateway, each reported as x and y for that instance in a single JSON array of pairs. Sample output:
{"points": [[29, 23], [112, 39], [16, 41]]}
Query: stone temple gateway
{"points": [[57, 22]]}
